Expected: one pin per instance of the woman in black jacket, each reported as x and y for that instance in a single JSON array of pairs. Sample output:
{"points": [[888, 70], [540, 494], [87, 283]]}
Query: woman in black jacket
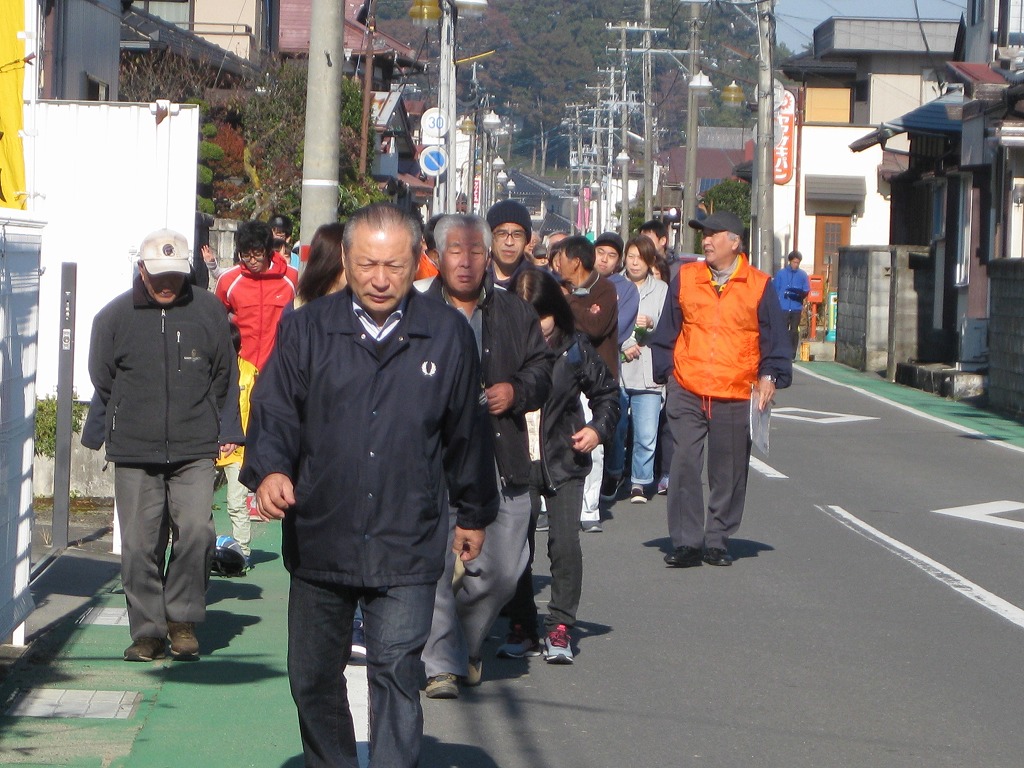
{"points": [[560, 446]]}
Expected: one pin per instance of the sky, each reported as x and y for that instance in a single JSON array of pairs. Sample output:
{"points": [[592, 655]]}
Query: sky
{"points": [[796, 19]]}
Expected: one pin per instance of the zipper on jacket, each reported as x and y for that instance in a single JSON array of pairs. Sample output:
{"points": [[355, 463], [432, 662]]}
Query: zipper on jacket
{"points": [[167, 388], [179, 351]]}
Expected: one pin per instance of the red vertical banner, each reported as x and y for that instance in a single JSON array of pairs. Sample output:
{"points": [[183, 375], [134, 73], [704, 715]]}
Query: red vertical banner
{"points": [[476, 193], [785, 138]]}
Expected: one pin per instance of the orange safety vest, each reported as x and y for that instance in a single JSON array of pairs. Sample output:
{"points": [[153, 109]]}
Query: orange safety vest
{"points": [[718, 350]]}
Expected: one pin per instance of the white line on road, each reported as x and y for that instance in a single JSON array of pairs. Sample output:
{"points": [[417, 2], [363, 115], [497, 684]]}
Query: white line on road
{"points": [[906, 408], [759, 466], [933, 568], [986, 512]]}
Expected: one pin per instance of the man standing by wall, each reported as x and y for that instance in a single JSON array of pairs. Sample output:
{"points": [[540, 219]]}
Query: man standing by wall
{"points": [[367, 411], [166, 402], [517, 379], [721, 342], [792, 286]]}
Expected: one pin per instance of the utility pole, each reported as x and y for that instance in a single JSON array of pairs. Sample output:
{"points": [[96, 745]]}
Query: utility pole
{"points": [[763, 248], [364, 129], [323, 116], [624, 219], [648, 133], [444, 190], [692, 145]]}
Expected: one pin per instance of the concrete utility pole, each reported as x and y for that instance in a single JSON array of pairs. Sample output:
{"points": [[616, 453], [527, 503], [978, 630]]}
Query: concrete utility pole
{"points": [[648, 133], [323, 116], [444, 201], [692, 145], [762, 249], [364, 133]]}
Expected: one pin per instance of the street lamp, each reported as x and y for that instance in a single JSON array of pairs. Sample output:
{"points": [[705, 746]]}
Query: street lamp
{"points": [[510, 187]]}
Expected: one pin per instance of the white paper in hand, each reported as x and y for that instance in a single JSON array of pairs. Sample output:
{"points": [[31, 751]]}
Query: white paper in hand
{"points": [[760, 422]]}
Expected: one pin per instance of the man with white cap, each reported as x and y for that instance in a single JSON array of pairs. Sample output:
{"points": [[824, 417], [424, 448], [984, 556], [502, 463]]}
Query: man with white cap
{"points": [[165, 404]]}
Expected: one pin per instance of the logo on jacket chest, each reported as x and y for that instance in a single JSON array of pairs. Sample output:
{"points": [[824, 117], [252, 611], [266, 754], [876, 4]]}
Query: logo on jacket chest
{"points": [[428, 368]]}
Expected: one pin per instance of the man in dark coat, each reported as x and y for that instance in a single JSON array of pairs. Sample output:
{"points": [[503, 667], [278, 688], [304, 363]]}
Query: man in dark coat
{"points": [[367, 411], [166, 401]]}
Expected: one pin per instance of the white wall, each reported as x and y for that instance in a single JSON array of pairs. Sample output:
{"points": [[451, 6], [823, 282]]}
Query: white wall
{"points": [[825, 151], [106, 175]]}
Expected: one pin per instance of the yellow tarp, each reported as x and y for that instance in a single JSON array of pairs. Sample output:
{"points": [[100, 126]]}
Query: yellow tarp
{"points": [[12, 116]]}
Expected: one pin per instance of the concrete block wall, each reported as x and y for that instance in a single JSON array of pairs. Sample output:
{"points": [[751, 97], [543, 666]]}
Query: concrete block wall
{"points": [[1006, 336], [862, 325]]}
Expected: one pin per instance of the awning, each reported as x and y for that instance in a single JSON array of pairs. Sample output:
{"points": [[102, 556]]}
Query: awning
{"points": [[941, 117], [835, 189]]}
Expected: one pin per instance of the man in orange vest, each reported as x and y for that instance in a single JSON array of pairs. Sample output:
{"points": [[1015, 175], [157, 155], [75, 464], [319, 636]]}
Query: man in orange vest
{"points": [[721, 342]]}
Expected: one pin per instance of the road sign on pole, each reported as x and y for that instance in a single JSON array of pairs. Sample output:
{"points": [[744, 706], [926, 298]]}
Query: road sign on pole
{"points": [[434, 123], [433, 161]]}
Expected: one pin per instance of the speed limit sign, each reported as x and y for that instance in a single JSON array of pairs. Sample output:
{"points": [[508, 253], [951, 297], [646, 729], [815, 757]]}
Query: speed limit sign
{"points": [[434, 123]]}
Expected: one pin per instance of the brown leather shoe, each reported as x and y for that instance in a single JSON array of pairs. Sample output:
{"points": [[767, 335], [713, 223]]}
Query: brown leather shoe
{"points": [[184, 644], [145, 649]]}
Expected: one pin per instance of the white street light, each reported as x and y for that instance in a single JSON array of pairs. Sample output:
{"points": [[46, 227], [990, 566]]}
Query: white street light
{"points": [[491, 121], [498, 164]]}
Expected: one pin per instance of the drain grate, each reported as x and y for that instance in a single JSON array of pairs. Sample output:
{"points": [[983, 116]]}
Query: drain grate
{"points": [[61, 702]]}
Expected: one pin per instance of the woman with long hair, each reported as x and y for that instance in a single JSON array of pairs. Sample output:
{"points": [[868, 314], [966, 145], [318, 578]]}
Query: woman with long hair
{"points": [[560, 446], [324, 272], [636, 372]]}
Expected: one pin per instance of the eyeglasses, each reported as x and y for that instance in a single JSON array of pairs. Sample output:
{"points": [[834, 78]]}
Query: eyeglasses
{"points": [[252, 256], [506, 234]]}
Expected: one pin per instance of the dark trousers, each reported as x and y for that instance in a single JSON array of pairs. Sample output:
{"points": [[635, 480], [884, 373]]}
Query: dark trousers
{"points": [[396, 622], [793, 328], [157, 504], [724, 425], [566, 556]]}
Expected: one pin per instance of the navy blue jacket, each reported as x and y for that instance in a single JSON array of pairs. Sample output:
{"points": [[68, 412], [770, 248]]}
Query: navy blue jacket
{"points": [[371, 439]]}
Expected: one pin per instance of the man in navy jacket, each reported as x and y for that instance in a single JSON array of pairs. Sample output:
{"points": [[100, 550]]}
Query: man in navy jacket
{"points": [[368, 410]]}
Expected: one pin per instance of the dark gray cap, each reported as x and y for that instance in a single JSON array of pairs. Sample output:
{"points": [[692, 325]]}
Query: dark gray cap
{"points": [[719, 221]]}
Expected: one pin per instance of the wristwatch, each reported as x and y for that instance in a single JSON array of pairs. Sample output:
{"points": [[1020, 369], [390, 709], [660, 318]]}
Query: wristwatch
{"points": [[770, 377]]}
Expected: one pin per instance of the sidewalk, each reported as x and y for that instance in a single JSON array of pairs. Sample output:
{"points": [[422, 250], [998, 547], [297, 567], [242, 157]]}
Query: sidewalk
{"points": [[232, 708]]}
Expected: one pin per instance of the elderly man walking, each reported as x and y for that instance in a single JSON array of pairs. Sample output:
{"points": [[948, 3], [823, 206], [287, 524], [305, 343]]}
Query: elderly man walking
{"points": [[166, 401], [368, 410], [517, 379], [721, 342]]}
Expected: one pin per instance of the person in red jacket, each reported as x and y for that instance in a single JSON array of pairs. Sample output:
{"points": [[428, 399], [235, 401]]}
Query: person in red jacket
{"points": [[257, 290], [720, 344]]}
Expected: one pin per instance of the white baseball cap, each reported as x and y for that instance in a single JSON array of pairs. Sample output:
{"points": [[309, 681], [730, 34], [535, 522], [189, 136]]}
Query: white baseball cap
{"points": [[165, 251]]}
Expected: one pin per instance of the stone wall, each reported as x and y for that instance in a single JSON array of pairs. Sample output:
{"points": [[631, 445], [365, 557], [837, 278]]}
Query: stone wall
{"points": [[90, 475], [883, 313], [1006, 336]]}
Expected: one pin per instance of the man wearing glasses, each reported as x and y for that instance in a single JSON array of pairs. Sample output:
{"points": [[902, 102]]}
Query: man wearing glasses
{"points": [[511, 229], [255, 291]]}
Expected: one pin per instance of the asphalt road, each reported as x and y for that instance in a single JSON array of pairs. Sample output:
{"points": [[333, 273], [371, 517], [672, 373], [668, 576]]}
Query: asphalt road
{"points": [[857, 627]]}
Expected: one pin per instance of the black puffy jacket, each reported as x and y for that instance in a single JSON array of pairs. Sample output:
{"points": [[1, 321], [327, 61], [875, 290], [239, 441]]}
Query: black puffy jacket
{"points": [[578, 368]]}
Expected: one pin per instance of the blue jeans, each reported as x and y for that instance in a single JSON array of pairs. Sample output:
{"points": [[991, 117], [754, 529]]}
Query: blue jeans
{"points": [[615, 454], [396, 622], [645, 408]]}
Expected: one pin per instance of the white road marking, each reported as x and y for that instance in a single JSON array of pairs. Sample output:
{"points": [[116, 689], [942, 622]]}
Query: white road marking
{"points": [[933, 568], [907, 409], [818, 417], [761, 468], [986, 513], [359, 704]]}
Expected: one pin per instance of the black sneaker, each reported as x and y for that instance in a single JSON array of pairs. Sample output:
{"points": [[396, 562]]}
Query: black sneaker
{"points": [[684, 557], [610, 487]]}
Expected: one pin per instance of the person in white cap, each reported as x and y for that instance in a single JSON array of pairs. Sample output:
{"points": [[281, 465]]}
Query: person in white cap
{"points": [[165, 404]]}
